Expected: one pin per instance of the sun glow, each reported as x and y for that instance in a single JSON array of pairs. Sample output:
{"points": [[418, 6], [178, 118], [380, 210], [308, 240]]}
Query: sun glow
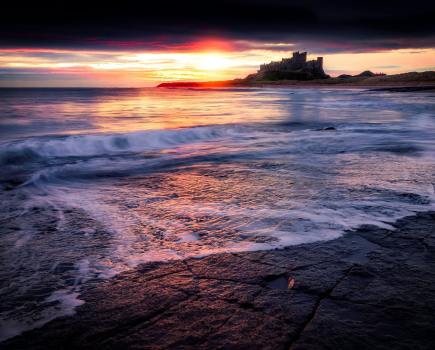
{"points": [[213, 62]]}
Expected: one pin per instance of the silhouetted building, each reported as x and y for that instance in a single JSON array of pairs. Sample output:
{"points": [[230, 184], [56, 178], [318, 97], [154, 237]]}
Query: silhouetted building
{"points": [[296, 67]]}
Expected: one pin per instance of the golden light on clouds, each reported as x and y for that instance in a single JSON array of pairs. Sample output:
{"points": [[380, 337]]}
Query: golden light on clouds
{"points": [[390, 62], [33, 67]]}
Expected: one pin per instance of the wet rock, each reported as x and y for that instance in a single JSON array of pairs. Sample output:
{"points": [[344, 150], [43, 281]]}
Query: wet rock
{"points": [[63, 267], [370, 289], [280, 282], [328, 128]]}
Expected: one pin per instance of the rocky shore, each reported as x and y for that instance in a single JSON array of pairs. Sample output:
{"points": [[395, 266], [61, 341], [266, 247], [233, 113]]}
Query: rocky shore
{"points": [[370, 289]]}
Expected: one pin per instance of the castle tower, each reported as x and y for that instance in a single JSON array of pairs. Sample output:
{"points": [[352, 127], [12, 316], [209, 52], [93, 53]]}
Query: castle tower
{"points": [[297, 67], [299, 59], [320, 62]]}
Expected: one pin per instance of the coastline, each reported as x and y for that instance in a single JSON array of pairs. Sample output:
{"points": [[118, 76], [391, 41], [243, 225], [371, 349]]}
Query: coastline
{"points": [[372, 288], [410, 80], [398, 87]]}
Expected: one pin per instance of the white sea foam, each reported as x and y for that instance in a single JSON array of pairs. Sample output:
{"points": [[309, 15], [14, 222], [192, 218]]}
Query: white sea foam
{"points": [[65, 301], [107, 144]]}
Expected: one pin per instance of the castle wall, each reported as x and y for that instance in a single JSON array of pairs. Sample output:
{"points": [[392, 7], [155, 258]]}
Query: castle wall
{"points": [[297, 62]]}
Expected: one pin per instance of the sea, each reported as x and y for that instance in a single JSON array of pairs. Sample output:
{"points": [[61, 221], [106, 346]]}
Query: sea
{"points": [[95, 182]]}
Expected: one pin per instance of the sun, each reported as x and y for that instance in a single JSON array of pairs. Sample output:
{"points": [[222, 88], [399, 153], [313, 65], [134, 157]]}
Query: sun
{"points": [[212, 62]]}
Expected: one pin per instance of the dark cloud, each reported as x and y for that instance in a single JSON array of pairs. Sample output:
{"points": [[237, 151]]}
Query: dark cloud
{"points": [[323, 25]]}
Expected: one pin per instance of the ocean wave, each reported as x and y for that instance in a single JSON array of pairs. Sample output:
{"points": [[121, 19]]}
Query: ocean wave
{"points": [[33, 149]]}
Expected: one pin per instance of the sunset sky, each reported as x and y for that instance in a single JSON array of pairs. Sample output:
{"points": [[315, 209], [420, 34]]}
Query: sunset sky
{"points": [[142, 44]]}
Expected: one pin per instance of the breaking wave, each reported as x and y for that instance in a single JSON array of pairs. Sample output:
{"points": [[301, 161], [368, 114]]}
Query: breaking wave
{"points": [[113, 144]]}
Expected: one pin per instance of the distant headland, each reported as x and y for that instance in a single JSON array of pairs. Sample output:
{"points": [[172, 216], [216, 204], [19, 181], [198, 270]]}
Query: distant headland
{"points": [[297, 71]]}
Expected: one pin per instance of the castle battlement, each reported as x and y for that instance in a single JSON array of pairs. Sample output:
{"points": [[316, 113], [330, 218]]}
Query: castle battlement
{"points": [[296, 64]]}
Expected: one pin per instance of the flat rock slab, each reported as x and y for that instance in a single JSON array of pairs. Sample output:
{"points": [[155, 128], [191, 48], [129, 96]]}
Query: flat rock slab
{"points": [[370, 289]]}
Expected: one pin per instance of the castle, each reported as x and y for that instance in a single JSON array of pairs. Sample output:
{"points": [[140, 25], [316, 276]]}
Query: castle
{"points": [[294, 68]]}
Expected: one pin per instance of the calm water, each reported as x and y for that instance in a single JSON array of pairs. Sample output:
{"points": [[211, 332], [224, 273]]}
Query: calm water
{"points": [[96, 181]]}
